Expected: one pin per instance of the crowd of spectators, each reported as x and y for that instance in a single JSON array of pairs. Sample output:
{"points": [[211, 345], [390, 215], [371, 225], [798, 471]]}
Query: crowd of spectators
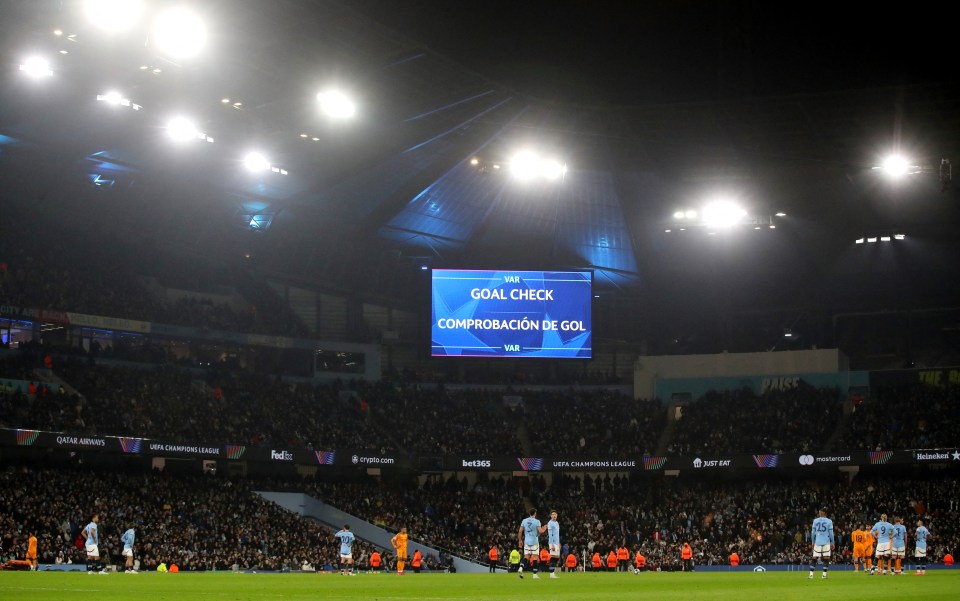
{"points": [[224, 407], [444, 513], [441, 421], [798, 419], [593, 422], [766, 522], [208, 522], [197, 522], [46, 269], [905, 416]]}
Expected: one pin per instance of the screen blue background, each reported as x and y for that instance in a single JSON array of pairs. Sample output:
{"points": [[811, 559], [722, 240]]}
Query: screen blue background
{"points": [[572, 298]]}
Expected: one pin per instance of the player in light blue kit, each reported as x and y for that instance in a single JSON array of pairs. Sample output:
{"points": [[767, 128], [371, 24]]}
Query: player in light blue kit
{"points": [[91, 534], [553, 542], [882, 531], [128, 538], [921, 553], [346, 550], [528, 538], [899, 542], [823, 542]]}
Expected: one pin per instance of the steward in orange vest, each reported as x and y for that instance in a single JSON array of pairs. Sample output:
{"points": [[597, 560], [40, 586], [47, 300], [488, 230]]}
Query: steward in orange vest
{"points": [[494, 556], [686, 554]]}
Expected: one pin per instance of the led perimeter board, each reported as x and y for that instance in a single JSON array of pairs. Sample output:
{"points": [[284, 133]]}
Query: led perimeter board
{"points": [[543, 314]]}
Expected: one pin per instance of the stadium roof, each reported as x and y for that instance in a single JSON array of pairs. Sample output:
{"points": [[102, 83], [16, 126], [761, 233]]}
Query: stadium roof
{"points": [[653, 107]]}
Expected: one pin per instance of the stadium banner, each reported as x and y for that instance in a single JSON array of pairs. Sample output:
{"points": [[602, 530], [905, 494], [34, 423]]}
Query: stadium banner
{"points": [[545, 314], [939, 377], [708, 462], [696, 388], [34, 314]]}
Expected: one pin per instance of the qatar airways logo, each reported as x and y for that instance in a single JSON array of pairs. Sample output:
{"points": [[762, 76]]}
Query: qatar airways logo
{"points": [[281, 455]]}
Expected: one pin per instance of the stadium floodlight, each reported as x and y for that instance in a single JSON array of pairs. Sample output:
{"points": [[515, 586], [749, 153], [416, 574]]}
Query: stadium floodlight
{"points": [[780, 214], [690, 214], [899, 237], [474, 161], [255, 161], [872, 239], [525, 165], [113, 15], [181, 129], [859, 240], [179, 33], [112, 97], [115, 98], [336, 104], [884, 238], [897, 166], [36, 67], [722, 213], [678, 215]]}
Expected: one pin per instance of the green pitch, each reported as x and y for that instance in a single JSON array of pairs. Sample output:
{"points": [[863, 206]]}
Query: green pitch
{"points": [[749, 586]]}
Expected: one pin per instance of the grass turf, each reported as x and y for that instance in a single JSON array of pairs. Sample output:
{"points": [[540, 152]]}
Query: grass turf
{"points": [[225, 586]]}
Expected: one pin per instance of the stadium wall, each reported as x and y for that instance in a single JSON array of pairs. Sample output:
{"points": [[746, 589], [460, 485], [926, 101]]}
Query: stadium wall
{"points": [[648, 369]]}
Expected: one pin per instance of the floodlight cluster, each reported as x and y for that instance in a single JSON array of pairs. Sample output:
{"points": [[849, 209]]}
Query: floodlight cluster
{"points": [[173, 32], [115, 98], [720, 215], [896, 166], [528, 164], [880, 238]]}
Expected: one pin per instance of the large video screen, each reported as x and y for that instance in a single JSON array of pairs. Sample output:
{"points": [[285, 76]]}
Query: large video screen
{"points": [[543, 314]]}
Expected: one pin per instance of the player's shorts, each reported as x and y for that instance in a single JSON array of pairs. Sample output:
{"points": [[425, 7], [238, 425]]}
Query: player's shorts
{"points": [[821, 551], [883, 549], [127, 552], [899, 551], [32, 555], [554, 550], [920, 552], [346, 556], [859, 551], [93, 551], [532, 549], [402, 553], [869, 551]]}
